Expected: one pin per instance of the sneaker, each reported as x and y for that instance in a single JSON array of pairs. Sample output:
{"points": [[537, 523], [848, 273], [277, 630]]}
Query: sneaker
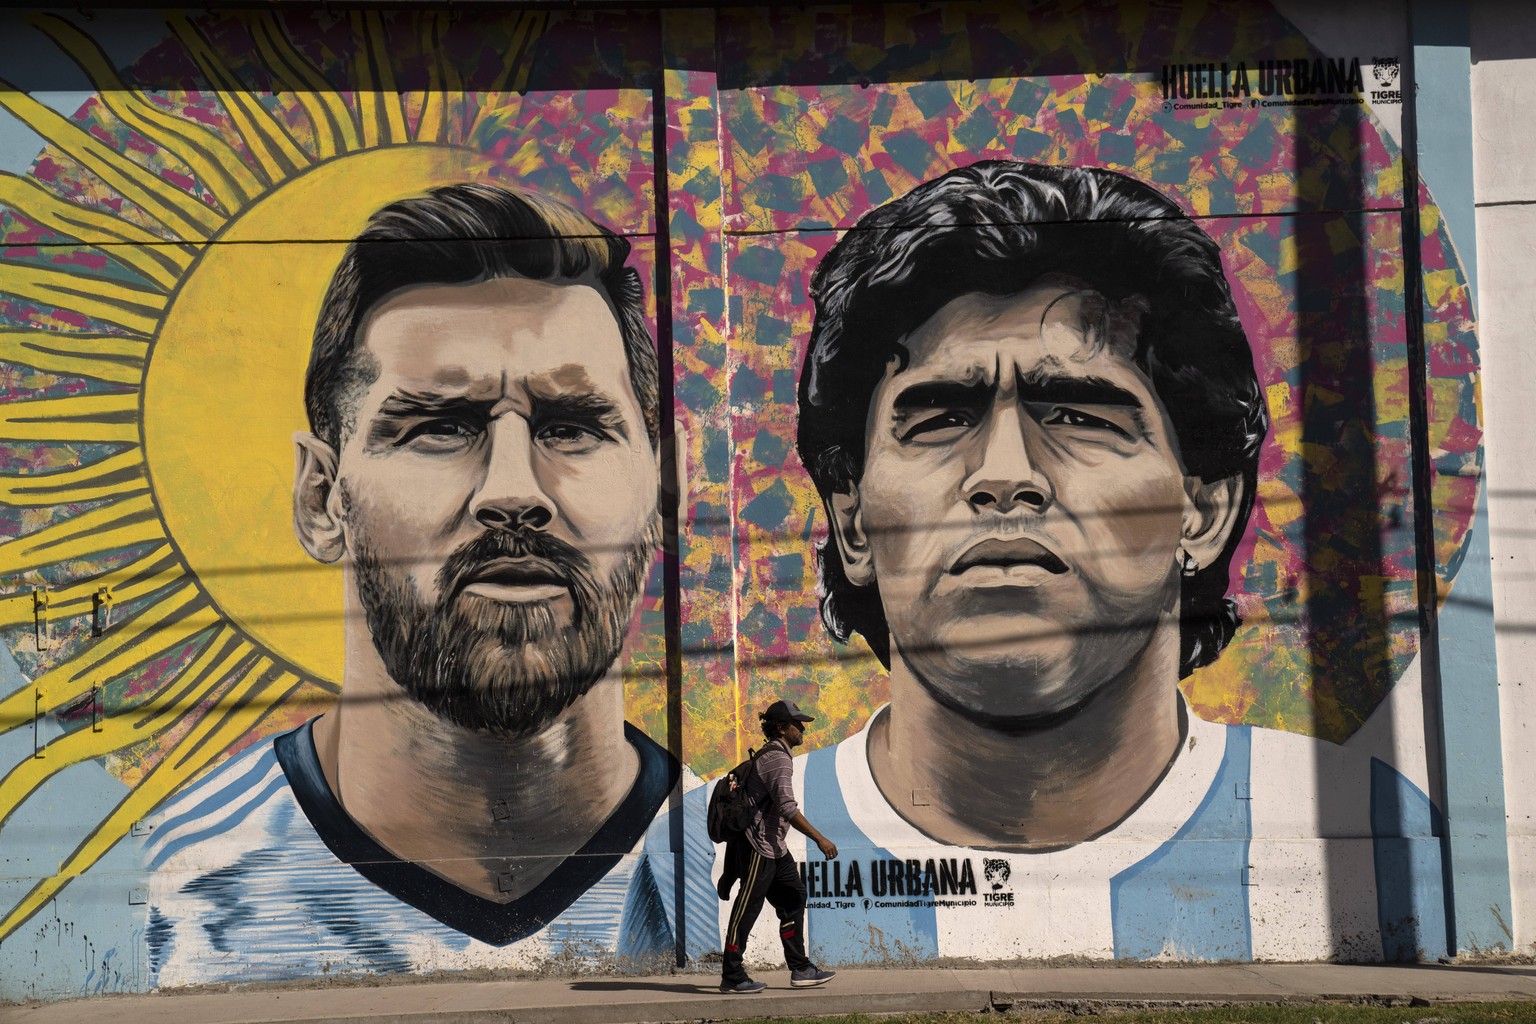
{"points": [[744, 987], [810, 977]]}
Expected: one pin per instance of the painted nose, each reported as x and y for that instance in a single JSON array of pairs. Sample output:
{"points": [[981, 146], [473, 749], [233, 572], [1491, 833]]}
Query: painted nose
{"points": [[1007, 477], [511, 497]]}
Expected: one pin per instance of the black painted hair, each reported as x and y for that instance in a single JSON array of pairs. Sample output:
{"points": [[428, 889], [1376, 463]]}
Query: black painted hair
{"points": [[465, 234], [996, 228]]}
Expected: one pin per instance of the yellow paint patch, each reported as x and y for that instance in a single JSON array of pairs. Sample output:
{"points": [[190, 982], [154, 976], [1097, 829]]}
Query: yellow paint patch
{"points": [[1438, 284]]}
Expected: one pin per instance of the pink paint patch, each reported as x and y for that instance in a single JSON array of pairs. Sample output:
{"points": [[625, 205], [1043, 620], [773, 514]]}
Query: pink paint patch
{"points": [[90, 260]]}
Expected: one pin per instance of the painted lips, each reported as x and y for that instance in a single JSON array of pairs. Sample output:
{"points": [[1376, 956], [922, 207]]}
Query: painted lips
{"points": [[516, 579], [1008, 558]]}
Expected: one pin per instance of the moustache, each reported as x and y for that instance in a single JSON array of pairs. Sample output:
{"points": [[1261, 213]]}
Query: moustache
{"points": [[548, 557]]}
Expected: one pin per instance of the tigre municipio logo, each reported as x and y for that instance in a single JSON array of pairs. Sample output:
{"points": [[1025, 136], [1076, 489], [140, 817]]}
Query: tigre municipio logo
{"points": [[1386, 70], [997, 872]]}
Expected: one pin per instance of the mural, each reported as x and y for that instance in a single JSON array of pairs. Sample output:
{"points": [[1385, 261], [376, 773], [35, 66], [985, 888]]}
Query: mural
{"points": [[1041, 430], [1031, 412]]}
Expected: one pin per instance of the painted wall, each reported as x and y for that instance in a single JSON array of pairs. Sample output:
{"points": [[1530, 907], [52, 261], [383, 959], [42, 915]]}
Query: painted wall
{"points": [[429, 440]]}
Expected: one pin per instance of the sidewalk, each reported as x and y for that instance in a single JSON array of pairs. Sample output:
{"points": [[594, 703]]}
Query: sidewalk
{"points": [[610, 1000]]}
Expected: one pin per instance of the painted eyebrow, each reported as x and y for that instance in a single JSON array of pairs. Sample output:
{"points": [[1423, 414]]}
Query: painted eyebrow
{"points": [[1060, 388], [941, 394], [422, 403], [581, 407], [406, 405]]}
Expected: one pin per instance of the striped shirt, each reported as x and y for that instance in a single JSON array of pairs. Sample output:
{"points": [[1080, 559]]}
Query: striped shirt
{"points": [[244, 886], [773, 794]]}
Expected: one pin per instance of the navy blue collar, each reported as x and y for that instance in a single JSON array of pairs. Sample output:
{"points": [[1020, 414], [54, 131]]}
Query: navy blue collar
{"points": [[498, 924]]}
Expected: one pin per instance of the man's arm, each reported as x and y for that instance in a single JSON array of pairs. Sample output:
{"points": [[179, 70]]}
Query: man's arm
{"points": [[776, 770], [827, 847]]}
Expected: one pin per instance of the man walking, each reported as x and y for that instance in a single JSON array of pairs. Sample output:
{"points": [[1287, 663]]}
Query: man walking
{"points": [[765, 866]]}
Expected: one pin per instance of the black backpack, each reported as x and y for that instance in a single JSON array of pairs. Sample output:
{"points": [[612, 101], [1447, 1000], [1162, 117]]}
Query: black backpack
{"points": [[731, 809]]}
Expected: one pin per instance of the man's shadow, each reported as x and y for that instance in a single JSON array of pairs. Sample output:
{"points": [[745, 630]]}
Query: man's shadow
{"points": [[712, 985]]}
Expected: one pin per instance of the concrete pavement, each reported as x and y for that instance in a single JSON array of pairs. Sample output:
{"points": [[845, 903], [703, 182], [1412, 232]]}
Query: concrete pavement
{"points": [[624, 1000]]}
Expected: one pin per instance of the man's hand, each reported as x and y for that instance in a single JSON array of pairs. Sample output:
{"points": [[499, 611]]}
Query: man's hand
{"points": [[828, 847]]}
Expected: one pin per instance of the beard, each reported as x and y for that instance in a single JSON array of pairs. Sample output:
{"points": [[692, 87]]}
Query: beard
{"points": [[501, 667]]}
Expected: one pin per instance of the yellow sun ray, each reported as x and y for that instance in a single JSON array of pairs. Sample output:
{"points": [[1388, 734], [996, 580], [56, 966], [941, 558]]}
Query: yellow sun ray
{"points": [[138, 640], [77, 419], [119, 476], [216, 164], [177, 210], [106, 357], [138, 309], [204, 743], [154, 570], [382, 113], [220, 652], [434, 106], [161, 262], [275, 150], [124, 523], [335, 131], [515, 68]]}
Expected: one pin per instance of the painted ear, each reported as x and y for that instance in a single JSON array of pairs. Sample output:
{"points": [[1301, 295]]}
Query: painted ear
{"points": [[852, 541], [1210, 516], [317, 518]]}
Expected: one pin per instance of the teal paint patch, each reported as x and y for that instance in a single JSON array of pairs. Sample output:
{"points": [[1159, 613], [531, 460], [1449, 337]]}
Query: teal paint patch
{"points": [[784, 386], [698, 392], [768, 509], [1029, 144], [717, 453], [912, 153], [746, 129], [780, 192], [932, 98], [747, 388], [1117, 149], [1027, 97], [827, 176], [788, 571], [761, 624], [802, 623], [771, 332], [977, 130], [761, 263], [704, 183], [876, 187], [845, 135], [683, 225], [768, 449], [708, 302], [1258, 147]]}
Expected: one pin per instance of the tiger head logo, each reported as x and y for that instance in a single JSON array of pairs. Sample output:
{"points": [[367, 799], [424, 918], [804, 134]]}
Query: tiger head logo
{"points": [[997, 872]]}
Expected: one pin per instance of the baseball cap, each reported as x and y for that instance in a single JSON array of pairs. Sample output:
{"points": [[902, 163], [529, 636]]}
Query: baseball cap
{"points": [[786, 711]]}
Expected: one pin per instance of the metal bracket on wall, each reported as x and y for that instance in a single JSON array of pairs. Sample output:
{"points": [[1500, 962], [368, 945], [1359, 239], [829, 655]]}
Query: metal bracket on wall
{"points": [[37, 722], [40, 617], [97, 710], [101, 617]]}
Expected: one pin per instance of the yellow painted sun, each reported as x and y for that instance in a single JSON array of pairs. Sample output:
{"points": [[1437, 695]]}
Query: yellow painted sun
{"points": [[208, 359]]}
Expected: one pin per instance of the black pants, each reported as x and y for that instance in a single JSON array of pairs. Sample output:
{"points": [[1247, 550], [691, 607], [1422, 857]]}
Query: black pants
{"points": [[774, 879]]}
